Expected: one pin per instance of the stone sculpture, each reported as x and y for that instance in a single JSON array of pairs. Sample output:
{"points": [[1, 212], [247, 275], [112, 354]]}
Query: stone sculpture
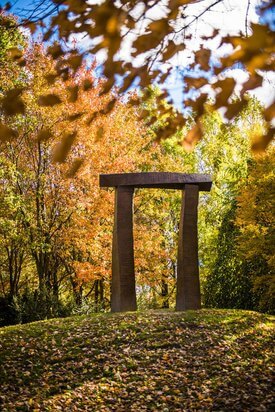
{"points": [[123, 294]]}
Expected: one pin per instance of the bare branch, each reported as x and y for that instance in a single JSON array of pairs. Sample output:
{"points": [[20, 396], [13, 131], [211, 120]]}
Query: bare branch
{"points": [[198, 16], [246, 18]]}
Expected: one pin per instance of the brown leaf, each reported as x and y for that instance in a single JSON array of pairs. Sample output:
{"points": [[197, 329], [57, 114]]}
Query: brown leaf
{"points": [[259, 38], [171, 50], [146, 42], [77, 163], [6, 133], [109, 107], [49, 100], [99, 134], [269, 112], [48, 35], [152, 120], [112, 25], [63, 148], [77, 6], [12, 103], [75, 116], [160, 26], [261, 143], [63, 73], [202, 58], [195, 82], [73, 90], [15, 53], [198, 104], [44, 135], [31, 26], [51, 78], [212, 36], [22, 62], [75, 61], [227, 87], [87, 84], [107, 86], [55, 50], [254, 81], [259, 61], [234, 108], [92, 118]]}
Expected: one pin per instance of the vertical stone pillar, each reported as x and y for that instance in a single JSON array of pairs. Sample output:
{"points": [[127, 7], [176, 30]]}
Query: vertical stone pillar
{"points": [[123, 293], [188, 283]]}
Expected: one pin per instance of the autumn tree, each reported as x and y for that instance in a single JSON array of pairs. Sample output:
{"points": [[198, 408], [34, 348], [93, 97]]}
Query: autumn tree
{"points": [[34, 186], [256, 229], [66, 219], [37, 196]]}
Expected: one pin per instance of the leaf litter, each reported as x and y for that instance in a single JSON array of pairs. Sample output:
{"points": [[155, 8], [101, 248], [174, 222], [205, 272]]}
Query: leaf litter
{"points": [[210, 360]]}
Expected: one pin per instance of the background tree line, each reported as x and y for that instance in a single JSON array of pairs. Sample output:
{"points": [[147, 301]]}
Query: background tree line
{"points": [[56, 225]]}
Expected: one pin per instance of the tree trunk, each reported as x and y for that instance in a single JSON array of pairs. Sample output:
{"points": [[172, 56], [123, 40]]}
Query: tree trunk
{"points": [[164, 293], [77, 291], [101, 293], [96, 294]]}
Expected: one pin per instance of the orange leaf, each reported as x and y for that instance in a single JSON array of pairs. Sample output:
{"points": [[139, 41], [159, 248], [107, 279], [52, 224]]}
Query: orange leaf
{"points": [[192, 137]]}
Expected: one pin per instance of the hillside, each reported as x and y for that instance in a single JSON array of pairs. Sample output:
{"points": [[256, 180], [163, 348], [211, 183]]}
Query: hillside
{"points": [[211, 360]]}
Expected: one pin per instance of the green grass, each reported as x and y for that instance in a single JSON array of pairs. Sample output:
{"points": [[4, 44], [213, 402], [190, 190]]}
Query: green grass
{"points": [[209, 360]]}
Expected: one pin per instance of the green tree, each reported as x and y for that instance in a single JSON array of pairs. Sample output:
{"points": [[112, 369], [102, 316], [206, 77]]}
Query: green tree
{"points": [[238, 274], [224, 153], [12, 44], [12, 238], [229, 284]]}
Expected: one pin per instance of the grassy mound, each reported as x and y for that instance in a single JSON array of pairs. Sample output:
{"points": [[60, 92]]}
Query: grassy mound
{"points": [[210, 360]]}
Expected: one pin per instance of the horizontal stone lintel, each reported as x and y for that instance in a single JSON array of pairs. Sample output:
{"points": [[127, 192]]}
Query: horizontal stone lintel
{"points": [[162, 180]]}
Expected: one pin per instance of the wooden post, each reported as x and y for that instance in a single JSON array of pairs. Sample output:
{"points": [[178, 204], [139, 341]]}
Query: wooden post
{"points": [[188, 283], [123, 293]]}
